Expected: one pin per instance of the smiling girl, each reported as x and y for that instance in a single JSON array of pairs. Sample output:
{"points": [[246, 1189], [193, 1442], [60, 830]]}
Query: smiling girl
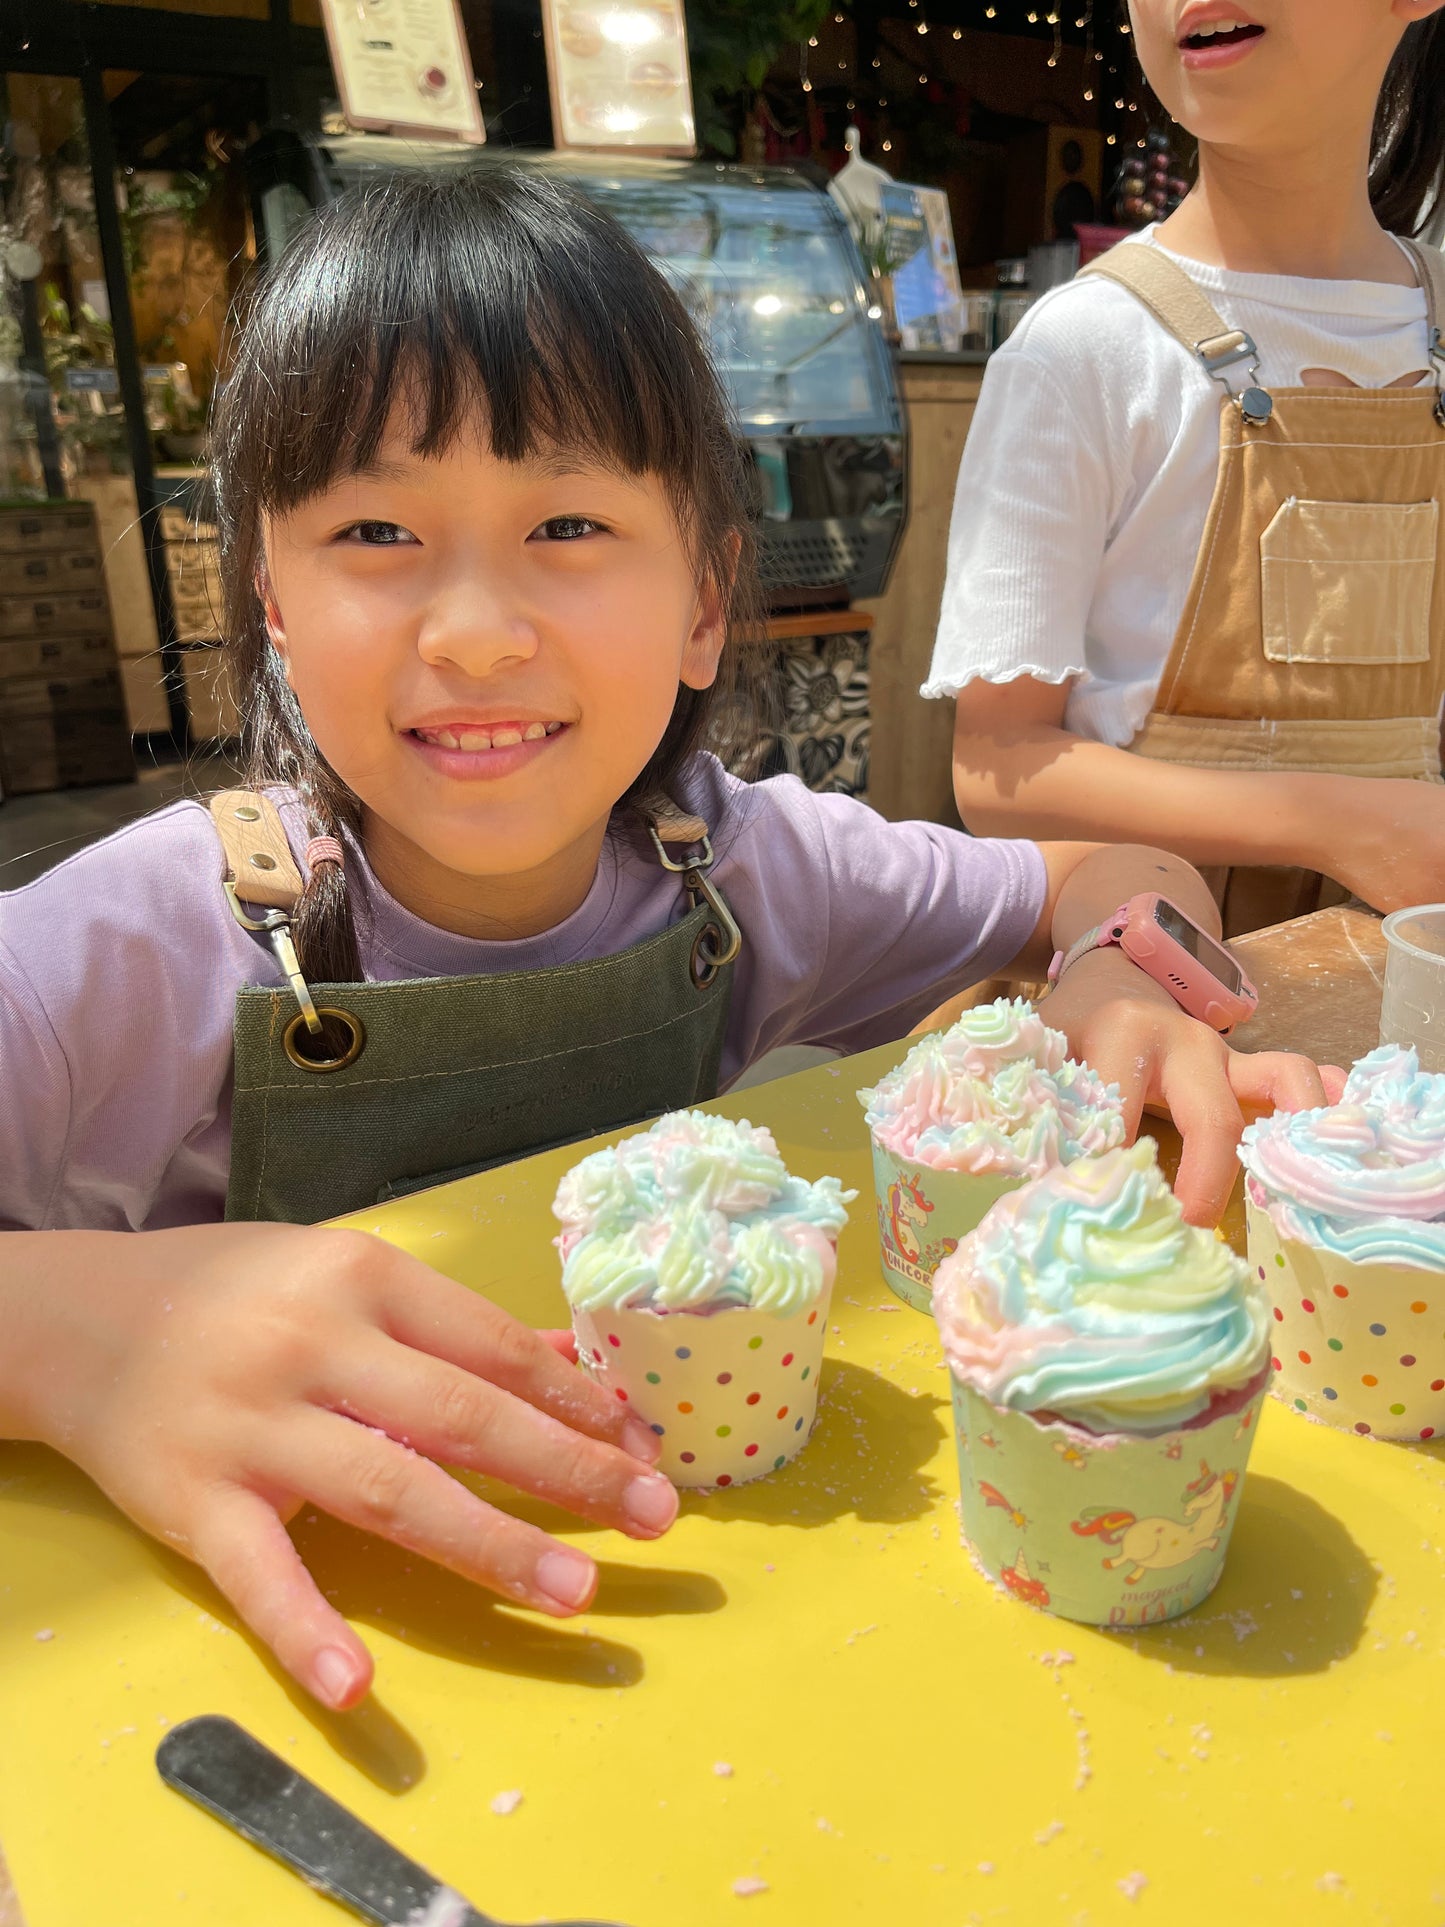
{"points": [[487, 546], [1193, 566]]}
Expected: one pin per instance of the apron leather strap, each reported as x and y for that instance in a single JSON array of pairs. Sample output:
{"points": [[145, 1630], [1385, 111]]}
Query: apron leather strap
{"points": [[258, 856], [1174, 299], [671, 824]]}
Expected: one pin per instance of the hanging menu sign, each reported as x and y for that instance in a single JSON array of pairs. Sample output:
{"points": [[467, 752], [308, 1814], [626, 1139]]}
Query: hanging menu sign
{"points": [[618, 75], [402, 66]]}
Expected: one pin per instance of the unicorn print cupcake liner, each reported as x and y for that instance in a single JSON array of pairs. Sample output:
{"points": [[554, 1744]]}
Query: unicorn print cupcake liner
{"points": [[1110, 1529], [922, 1214], [970, 1114], [1108, 1363], [1346, 1213], [699, 1274]]}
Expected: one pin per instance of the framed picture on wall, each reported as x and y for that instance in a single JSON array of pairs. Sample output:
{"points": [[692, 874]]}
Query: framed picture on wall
{"points": [[618, 75], [402, 67]]}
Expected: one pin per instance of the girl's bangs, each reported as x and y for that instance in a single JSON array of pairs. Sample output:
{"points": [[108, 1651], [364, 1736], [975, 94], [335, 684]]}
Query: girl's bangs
{"points": [[514, 321]]}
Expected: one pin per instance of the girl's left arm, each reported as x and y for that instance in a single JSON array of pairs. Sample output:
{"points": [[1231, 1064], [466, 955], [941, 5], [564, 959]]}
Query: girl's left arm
{"points": [[1134, 1034]]}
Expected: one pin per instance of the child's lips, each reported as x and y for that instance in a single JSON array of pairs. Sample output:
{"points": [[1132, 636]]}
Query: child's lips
{"points": [[1219, 43], [491, 750]]}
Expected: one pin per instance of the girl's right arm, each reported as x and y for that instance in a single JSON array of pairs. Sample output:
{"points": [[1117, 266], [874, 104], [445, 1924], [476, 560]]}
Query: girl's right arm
{"points": [[215, 1379], [1018, 772]]}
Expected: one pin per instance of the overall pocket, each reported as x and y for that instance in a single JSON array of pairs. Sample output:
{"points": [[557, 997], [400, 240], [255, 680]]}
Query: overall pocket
{"points": [[1348, 582]]}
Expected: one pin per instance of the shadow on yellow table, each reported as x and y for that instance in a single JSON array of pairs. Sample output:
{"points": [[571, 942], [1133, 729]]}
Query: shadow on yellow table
{"points": [[804, 1684]]}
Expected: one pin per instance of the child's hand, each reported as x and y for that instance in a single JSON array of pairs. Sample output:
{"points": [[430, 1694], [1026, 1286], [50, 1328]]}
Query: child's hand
{"points": [[1136, 1036], [214, 1380]]}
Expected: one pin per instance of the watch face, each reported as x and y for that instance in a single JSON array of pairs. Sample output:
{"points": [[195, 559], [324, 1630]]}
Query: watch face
{"points": [[1215, 958]]}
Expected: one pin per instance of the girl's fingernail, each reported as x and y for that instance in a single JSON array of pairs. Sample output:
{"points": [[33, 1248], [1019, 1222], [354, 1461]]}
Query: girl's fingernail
{"points": [[640, 1441], [335, 1674], [651, 1503], [567, 1577]]}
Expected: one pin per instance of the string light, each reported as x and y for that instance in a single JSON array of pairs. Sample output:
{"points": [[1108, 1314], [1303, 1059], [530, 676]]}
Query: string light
{"points": [[958, 33], [812, 40], [923, 26], [887, 147], [1109, 140], [1088, 93]]}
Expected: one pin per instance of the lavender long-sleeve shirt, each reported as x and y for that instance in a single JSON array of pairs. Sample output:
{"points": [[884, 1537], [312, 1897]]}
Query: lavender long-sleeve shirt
{"points": [[119, 971]]}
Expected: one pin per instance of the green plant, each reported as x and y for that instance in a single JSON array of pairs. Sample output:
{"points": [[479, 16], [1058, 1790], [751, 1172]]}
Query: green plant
{"points": [[733, 43]]}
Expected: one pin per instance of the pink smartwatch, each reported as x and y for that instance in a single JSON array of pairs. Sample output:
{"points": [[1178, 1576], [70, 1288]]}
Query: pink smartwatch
{"points": [[1199, 974]]}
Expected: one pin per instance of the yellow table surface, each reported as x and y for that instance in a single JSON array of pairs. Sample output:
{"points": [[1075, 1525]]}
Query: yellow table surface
{"points": [[805, 1682]]}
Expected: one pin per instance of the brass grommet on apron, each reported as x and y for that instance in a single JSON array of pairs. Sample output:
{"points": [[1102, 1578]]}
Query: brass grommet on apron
{"points": [[297, 1030]]}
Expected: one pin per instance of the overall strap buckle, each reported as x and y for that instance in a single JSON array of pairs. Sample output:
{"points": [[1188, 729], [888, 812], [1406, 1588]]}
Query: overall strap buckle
{"points": [[1437, 368], [1218, 352]]}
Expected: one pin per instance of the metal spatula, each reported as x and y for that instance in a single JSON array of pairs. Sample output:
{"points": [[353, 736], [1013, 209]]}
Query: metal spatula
{"points": [[219, 1766]]}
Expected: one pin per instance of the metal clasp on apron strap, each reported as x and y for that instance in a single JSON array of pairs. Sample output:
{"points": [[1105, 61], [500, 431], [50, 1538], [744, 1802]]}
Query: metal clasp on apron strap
{"points": [[707, 960], [277, 926], [261, 872], [1256, 404]]}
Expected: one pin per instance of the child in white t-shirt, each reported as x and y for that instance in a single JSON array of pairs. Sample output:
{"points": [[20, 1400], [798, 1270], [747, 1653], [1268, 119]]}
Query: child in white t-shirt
{"points": [[1225, 559]]}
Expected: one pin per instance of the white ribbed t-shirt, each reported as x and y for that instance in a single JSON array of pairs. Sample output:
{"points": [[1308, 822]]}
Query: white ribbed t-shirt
{"points": [[1089, 467]]}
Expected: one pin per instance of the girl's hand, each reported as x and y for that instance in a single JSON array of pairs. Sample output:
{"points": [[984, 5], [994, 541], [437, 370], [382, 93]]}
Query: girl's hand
{"points": [[214, 1380], [1134, 1034]]}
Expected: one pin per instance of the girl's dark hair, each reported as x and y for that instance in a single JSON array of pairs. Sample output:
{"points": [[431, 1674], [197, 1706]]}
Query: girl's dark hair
{"points": [[1407, 148], [486, 292]]}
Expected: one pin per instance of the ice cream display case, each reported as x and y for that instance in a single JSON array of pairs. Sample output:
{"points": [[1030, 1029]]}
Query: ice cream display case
{"points": [[771, 275]]}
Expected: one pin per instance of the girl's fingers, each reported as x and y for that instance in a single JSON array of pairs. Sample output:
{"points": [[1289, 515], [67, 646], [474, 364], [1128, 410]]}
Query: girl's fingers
{"points": [[1130, 1068], [246, 1550], [563, 1342], [1194, 1083], [1274, 1080], [459, 1420], [1333, 1079], [432, 1314], [371, 1482]]}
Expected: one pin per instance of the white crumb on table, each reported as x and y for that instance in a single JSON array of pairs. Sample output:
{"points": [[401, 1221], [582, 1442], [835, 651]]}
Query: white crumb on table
{"points": [[1132, 1885], [507, 1802], [1331, 1883], [1050, 1832], [985, 1866], [749, 1884], [45, 1633], [723, 1770]]}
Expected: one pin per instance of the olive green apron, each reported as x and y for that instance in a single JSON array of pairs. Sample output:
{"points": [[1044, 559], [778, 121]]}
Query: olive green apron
{"points": [[440, 1077]]}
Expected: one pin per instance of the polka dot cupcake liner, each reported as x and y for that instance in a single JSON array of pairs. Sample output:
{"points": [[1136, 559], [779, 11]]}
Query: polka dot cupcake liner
{"points": [[1361, 1347], [922, 1214], [731, 1394]]}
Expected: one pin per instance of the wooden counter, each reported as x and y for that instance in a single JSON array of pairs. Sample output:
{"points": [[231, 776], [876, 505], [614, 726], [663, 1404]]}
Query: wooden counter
{"points": [[912, 740]]}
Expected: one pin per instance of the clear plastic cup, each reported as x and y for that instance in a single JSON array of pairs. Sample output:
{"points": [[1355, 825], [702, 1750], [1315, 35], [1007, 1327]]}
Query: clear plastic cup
{"points": [[1412, 1010]]}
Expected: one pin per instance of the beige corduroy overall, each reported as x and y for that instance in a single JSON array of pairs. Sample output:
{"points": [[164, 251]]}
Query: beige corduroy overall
{"points": [[1313, 635]]}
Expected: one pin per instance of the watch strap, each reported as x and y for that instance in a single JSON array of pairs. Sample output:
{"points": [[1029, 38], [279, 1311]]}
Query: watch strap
{"points": [[1101, 937]]}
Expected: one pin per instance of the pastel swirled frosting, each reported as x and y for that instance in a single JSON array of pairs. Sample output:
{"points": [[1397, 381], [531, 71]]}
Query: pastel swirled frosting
{"points": [[1363, 1179], [1085, 1296], [695, 1215], [997, 1093]]}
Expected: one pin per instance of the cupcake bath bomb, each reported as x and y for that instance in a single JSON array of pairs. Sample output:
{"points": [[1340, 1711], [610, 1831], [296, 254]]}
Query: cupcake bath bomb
{"points": [[1346, 1211], [971, 1113], [1107, 1360], [699, 1272]]}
